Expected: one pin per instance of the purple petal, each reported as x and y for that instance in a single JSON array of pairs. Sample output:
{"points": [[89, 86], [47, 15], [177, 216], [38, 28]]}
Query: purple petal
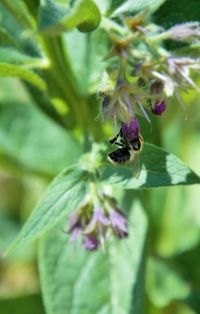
{"points": [[130, 131], [159, 108], [98, 218], [90, 242], [72, 221], [74, 234], [101, 218], [185, 31], [119, 223]]}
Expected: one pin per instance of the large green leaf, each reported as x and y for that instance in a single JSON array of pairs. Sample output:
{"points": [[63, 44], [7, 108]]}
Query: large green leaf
{"points": [[74, 281], [159, 168], [32, 140], [11, 70], [62, 197], [56, 18], [86, 52]]}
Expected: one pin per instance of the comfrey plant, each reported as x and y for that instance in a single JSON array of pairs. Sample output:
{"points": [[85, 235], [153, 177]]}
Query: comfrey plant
{"points": [[141, 80], [98, 81]]}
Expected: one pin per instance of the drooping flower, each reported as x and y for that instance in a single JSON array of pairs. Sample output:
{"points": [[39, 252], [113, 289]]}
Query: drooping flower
{"points": [[100, 218], [130, 131]]}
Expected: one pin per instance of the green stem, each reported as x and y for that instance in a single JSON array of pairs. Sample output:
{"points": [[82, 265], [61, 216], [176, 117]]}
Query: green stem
{"points": [[159, 37]]}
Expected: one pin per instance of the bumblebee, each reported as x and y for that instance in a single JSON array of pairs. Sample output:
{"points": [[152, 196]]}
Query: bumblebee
{"points": [[129, 153]]}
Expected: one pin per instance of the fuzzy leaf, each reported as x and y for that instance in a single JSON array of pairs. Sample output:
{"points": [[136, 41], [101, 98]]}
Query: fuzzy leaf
{"points": [[11, 70], [73, 273], [159, 168], [62, 197], [86, 52], [56, 18]]}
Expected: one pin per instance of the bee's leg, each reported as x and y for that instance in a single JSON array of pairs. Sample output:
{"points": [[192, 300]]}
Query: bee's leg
{"points": [[119, 144], [114, 139]]}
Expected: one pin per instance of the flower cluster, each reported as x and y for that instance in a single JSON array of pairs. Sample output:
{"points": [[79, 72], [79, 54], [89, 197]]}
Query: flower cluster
{"points": [[142, 74], [95, 220]]}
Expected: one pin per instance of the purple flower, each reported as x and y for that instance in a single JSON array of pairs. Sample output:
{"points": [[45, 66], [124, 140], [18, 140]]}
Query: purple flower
{"points": [[159, 108], [119, 223], [95, 222], [185, 31], [130, 132], [90, 242], [99, 224]]}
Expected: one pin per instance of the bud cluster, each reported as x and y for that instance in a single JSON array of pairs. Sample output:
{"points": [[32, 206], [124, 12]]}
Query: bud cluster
{"points": [[141, 74]]}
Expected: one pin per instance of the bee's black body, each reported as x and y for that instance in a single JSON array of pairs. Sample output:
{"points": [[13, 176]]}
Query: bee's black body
{"points": [[136, 143], [120, 156], [126, 152]]}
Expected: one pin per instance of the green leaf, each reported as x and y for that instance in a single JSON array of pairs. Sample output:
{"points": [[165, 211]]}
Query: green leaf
{"points": [[118, 7], [165, 284], [11, 70], [74, 273], [86, 52], [56, 18], [159, 168], [22, 141], [13, 56], [62, 197]]}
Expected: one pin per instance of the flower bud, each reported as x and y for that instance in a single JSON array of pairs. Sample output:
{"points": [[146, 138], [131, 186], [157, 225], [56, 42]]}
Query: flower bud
{"points": [[90, 242], [159, 108]]}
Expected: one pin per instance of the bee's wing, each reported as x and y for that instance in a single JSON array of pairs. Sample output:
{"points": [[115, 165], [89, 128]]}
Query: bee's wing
{"points": [[136, 165]]}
